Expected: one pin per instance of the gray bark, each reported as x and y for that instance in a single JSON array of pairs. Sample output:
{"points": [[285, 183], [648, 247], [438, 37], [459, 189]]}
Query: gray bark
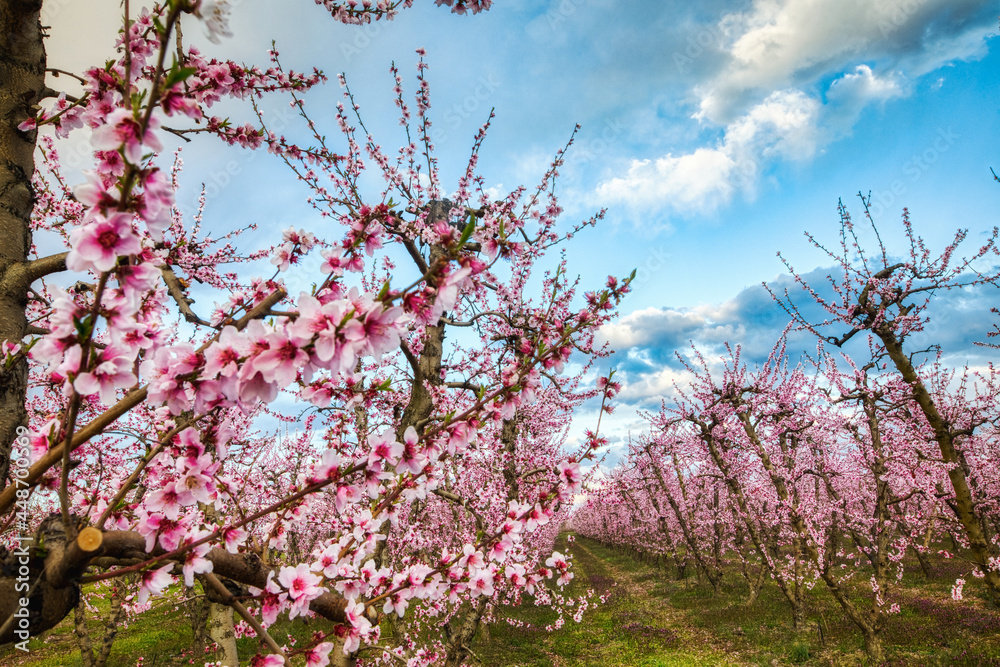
{"points": [[22, 80]]}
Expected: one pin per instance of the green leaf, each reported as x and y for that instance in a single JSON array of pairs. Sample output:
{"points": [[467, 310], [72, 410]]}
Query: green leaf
{"points": [[177, 74], [467, 232]]}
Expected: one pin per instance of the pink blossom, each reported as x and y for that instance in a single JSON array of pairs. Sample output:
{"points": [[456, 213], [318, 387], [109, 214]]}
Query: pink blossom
{"points": [[411, 460], [154, 581], [956, 590], [110, 163], [273, 600], [346, 495], [481, 583], [136, 280], [281, 361], [112, 372], [397, 602], [329, 465], [283, 257], [121, 130], [196, 483], [332, 263], [381, 329], [223, 356], [383, 447], [96, 246], [165, 500], [155, 524], [195, 561], [360, 626], [320, 655], [302, 586], [215, 14], [570, 471], [471, 558], [233, 538], [536, 517], [94, 193]]}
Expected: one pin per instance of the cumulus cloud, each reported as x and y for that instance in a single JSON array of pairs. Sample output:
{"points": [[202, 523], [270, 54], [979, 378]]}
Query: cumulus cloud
{"points": [[780, 43], [849, 94], [658, 385], [648, 341], [793, 76], [783, 125]]}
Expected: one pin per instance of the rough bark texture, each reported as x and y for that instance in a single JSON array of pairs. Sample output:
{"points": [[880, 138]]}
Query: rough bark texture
{"points": [[197, 611], [22, 80], [112, 623], [223, 632], [82, 634], [461, 635], [965, 506], [49, 604]]}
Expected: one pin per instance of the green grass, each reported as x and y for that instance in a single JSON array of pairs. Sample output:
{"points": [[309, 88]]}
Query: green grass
{"points": [[161, 638], [649, 620], [930, 630], [630, 629]]}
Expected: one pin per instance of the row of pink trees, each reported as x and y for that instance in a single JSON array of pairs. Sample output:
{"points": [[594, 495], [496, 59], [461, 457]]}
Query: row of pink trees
{"points": [[835, 468], [420, 383]]}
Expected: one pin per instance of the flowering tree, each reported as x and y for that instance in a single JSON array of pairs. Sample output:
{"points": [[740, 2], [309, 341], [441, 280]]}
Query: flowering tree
{"points": [[833, 468], [888, 300], [133, 420]]}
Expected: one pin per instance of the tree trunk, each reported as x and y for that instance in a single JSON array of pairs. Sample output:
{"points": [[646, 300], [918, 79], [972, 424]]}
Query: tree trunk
{"points": [[337, 656], [223, 632], [197, 610], [112, 624], [873, 647], [83, 634], [460, 637], [22, 80], [983, 552]]}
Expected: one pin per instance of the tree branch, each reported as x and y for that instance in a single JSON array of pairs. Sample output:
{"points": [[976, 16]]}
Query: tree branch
{"points": [[176, 290]]}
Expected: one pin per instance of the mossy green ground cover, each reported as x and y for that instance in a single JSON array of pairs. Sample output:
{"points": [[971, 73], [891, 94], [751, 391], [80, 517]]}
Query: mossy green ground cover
{"points": [[649, 620]]}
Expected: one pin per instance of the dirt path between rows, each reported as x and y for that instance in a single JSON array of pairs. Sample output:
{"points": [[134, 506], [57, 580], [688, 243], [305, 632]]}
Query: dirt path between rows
{"points": [[654, 616]]}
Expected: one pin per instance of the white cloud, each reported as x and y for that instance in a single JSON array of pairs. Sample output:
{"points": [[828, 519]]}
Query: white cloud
{"points": [[851, 93], [768, 96], [783, 125], [659, 384], [690, 183], [781, 43], [642, 327]]}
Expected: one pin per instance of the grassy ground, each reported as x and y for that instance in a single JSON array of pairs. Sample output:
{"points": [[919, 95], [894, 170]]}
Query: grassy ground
{"points": [[633, 628], [159, 638], [649, 620], [931, 629]]}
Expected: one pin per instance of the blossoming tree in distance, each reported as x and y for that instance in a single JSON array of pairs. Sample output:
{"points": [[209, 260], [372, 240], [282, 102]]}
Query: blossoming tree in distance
{"points": [[835, 469], [421, 381]]}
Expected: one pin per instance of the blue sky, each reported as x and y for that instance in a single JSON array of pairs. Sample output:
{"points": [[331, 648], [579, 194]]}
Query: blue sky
{"points": [[715, 133]]}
